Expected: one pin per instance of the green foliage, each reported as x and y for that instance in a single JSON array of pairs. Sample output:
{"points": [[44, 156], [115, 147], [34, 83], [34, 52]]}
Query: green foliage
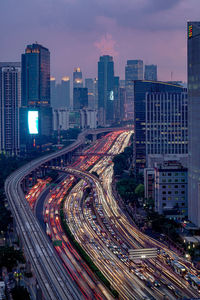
{"points": [[122, 161], [139, 190], [126, 188], [19, 293], [9, 257]]}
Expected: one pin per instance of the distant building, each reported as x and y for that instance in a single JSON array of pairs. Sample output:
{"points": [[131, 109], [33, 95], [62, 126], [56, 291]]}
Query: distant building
{"points": [[60, 93], [80, 98], [10, 101], [171, 190], [117, 117], [63, 119], [133, 71], [194, 121], [90, 85], [150, 72], [105, 90], [77, 78], [122, 98], [149, 183]]}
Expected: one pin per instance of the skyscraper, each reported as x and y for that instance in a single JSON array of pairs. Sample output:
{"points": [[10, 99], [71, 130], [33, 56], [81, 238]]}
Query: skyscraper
{"points": [[89, 84], [36, 76], [141, 90], [133, 71], [35, 111], [80, 98], [194, 122], [77, 78], [167, 122], [105, 90], [150, 72], [10, 100]]}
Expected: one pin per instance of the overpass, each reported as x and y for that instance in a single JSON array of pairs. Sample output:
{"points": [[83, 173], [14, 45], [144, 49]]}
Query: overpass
{"points": [[52, 277]]}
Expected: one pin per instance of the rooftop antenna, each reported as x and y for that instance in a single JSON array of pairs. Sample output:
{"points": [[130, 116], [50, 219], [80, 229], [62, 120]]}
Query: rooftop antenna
{"points": [[171, 75]]}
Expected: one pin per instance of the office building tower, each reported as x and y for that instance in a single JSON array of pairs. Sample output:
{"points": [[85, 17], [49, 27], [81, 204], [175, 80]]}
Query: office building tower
{"points": [[35, 113], [105, 90], [96, 93], [77, 78], [194, 122], [60, 93], [116, 100], [150, 72], [122, 97], [133, 71], [80, 98], [167, 123], [90, 85], [53, 92], [36, 76], [170, 190], [141, 88], [10, 100]]}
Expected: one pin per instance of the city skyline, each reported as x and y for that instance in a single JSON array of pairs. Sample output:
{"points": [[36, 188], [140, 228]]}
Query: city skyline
{"points": [[77, 34]]}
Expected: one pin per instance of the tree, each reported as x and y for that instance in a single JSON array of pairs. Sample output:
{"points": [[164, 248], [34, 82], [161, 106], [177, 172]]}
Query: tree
{"points": [[139, 191]]}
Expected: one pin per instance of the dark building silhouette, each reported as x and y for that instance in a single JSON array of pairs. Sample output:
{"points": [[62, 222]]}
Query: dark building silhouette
{"points": [[105, 90], [150, 72], [194, 121], [36, 76], [35, 110], [80, 98]]}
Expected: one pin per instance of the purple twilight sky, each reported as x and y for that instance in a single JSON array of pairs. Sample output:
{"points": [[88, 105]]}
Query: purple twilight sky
{"points": [[77, 32]]}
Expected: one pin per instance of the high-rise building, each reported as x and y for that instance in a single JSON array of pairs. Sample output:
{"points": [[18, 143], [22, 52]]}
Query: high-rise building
{"points": [[90, 85], [60, 93], [77, 78], [105, 90], [80, 98], [35, 113], [150, 72], [116, 99], [170, 190], [36, 76], [133, 71], [10, 101], [194, 121], [141, 89], [167, 123]]}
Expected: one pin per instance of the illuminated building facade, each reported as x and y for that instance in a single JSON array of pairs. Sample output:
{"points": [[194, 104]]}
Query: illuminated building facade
{"points": [[194, 121], [36, 76], [141, 90], [133, 71], [105, 90], [150, 72], [77, 78], [10, 100], [167, 123]]}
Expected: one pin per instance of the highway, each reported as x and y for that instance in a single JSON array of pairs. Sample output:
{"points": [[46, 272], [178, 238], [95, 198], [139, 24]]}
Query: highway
{"points": [[103, 229], [52, 277]]}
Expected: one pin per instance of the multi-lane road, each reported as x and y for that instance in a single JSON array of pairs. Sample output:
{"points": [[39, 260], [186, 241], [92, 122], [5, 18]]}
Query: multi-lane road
{"points": [[101, 228]]}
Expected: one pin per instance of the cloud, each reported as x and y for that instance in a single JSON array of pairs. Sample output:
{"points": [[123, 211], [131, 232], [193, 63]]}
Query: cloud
{"points": [[106, 45]]}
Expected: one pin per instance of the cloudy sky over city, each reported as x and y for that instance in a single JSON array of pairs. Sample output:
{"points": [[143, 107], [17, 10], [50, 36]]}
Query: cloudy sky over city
{"points": [[77, 32]]}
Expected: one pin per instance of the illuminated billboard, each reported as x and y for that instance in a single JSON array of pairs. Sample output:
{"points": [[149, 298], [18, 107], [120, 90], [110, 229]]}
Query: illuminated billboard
{"points": [[33, 122]]}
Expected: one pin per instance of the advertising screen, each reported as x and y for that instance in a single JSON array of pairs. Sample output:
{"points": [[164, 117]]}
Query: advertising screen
{"points": [[33, 121]]}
